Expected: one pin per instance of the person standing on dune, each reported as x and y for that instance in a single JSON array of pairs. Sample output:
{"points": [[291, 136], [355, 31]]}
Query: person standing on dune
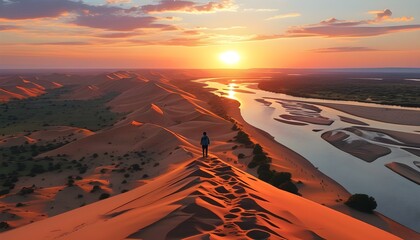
{"points": [[205, 142]]}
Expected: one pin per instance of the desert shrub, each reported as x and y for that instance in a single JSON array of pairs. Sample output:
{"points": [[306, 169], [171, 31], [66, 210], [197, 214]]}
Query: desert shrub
{"points": [[241, 155], [280, 177], [243, 137], [135, 167], [104, 196], [127, 175], [36, 169], [19, 204], [70, 182], [26, 190], [83, 169], [260, 158], [4, 192], [264, 172], [257, 149], [266, 176], [79, 195], [95, 189], [289, 187], [156, 164], [362, 202], [145, 176], [252, 164], [4, 225]]}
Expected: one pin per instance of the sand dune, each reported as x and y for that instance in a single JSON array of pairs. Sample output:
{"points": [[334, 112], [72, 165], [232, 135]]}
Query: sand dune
{"points": [[17, 87], [175, 194], [202, 199]]}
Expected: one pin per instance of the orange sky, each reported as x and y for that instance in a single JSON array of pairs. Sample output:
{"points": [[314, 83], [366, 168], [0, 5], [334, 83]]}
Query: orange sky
{"points": [[192, 34]]}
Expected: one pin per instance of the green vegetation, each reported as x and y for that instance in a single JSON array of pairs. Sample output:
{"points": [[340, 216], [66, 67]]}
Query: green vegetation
{"points": [[390, 91], [362, 202], [49, 110], [104, 196], [243, 137]]}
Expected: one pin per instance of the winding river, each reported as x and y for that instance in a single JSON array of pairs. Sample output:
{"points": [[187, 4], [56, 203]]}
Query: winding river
{"points": [[397, 197]]}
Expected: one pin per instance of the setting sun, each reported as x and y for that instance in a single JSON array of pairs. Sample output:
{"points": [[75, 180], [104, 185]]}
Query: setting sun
{"points": [[230, 57]]}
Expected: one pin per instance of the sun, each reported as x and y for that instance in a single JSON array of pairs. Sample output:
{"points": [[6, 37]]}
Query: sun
{"points": [[230, 57]]}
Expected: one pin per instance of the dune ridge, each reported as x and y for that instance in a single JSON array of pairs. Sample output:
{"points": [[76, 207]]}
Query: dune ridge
{"points": [[203, 198], [153, 152]]}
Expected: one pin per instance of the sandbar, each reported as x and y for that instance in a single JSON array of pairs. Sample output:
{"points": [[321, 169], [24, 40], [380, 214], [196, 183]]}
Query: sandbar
{"points": [[405, 171]]}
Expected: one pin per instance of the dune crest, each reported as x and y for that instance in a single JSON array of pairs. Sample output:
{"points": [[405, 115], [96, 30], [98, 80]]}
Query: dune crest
{"points": [[204, 198]]}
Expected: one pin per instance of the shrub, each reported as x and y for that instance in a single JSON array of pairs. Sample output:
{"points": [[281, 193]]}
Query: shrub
{"points": [[243, 137], [252, 164], [70, 182], [289, 187], [241, 155], [19, 204], [4, 192], [95, 189], [104, 196], [260, 158], [95, 155], [280, 177], [26, 190], [4, 225], [362, 202], [135, 167], [36, 168], [257, 149]]}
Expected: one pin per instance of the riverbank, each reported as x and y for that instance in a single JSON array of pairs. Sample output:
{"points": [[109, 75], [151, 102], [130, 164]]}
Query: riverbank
{"points": [[315, 186]]}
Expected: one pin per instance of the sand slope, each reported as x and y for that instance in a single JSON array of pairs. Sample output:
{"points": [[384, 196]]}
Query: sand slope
{"points": [[202, 199], [18, 87]]}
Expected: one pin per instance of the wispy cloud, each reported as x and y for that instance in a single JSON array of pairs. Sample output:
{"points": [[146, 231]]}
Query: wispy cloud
{"points": [[8, 27], [287, 15], [260, 10], [188, 6], [117, 1], [343, 49], [94, 16], [336, 28]]}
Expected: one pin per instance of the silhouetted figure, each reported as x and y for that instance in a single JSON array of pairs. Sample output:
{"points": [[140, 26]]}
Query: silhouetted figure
{"points": [[205, 142]]}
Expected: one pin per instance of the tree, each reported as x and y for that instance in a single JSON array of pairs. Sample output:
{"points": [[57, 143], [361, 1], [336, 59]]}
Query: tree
{"points": [[362, 202], [257, 149]]}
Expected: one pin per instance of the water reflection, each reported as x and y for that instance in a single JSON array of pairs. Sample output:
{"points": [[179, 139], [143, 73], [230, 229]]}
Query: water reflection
{"points": [[261, 108], [231, 90]]}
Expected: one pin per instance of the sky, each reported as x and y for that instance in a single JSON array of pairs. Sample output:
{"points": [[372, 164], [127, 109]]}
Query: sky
{"points": [[193, 33]]}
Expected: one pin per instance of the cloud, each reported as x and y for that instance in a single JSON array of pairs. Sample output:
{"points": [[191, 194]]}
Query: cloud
{"points": [[120, 22], [343, 49], [336, 28], [101, 16], [188, 6], [61, 43], [31, 9], [260, 10], [287, 15], [117, 1], [386, 15], [117, 35], [348, 31], [8, 27]]}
